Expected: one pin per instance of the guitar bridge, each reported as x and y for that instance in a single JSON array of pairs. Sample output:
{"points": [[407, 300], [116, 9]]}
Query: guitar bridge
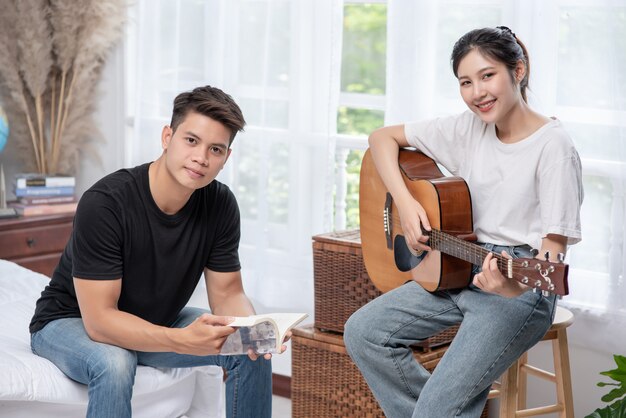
{"points": [[387, 222]]}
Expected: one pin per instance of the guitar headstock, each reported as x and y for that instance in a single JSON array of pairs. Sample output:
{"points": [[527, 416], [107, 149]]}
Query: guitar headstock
{"points": [[542, 275]]}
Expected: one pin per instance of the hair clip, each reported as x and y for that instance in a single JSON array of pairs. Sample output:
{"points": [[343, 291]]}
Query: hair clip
{"points": [[506, 29]]}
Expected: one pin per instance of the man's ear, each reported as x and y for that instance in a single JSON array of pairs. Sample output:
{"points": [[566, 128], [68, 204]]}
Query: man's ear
{"points": [[166, 136]]}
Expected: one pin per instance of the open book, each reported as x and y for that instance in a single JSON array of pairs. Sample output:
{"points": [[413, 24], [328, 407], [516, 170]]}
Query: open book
{"points": [[262, 333]]}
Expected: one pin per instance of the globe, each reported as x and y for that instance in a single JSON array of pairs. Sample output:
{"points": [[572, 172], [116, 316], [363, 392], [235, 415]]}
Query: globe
{"points": [[4, 129]]}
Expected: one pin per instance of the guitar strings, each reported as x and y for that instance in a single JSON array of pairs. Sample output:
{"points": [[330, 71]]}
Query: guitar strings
{"points": [[461, 248], [439, 239]]}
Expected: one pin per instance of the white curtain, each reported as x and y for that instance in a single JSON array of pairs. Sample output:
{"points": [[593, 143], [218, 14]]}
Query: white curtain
{"points": [[279, 60], [282, 62]]}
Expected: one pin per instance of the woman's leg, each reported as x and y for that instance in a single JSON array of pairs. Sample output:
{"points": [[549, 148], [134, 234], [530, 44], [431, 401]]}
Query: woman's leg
{"points": [[378, 337], [107, 370], [495, 331]]}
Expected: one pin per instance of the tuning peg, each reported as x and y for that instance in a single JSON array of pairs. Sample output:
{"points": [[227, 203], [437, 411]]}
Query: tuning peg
{"points": [[534, 252], [561, 257], [546, 256]]}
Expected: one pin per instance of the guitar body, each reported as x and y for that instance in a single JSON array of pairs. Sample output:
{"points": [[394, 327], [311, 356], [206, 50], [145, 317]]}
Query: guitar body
{"points": [[447, 203]]}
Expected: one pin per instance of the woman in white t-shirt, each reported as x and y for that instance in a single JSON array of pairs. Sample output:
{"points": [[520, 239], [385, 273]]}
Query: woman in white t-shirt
{"points": [[524, 176]]}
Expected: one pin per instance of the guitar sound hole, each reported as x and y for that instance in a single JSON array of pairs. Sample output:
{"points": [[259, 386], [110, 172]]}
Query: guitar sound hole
{"points": [[406, 258]]}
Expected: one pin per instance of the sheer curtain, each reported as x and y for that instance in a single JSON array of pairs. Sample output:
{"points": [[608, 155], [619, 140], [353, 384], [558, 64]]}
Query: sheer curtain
{"points": [[279, 61], [282, 61]]}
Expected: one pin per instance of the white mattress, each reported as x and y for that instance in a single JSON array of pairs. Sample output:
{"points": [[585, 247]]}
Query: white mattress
{"points": [[31, 386]]}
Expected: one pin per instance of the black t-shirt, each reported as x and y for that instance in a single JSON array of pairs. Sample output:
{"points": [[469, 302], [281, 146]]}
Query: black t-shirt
{"points": [[119, 232]]}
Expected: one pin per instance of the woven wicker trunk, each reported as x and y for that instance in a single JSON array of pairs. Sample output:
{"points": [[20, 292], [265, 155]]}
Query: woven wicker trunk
{"points": [[326, 384], [324, 381], [342, 284]]}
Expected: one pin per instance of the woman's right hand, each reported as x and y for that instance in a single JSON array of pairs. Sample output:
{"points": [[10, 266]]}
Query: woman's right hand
{"points": [[412, 218]]}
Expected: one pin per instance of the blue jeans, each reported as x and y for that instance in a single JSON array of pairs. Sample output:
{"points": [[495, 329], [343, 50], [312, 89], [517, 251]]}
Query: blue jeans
{"points": [[109, 371], [494, 332]]}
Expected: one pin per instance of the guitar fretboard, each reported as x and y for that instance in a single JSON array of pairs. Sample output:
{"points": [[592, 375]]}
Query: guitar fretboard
{"points": [[459, 248]]}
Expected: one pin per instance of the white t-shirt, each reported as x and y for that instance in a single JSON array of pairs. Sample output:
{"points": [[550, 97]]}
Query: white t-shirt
{"points": [[520, 192]]}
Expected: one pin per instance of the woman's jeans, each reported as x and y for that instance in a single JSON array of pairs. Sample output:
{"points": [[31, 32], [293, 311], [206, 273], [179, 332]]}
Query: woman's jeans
{"points": [[109, 371], [494, 332]]}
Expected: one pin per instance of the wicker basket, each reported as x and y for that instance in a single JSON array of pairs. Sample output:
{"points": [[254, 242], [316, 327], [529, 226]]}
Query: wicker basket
{"points": [[326, 384], [341, 282], [342, 285]]}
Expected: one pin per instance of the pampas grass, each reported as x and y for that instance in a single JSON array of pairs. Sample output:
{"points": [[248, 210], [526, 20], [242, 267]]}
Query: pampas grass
{"points": [[51, 57]]}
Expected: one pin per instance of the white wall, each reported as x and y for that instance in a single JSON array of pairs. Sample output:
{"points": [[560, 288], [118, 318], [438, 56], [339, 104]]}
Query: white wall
{"points": [[586, 364], [110, 117]]}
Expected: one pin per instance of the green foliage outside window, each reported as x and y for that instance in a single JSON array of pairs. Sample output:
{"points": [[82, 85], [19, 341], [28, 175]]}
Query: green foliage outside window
{"points": [[356, 122], [353, 169], [352, 121], [364, 48]]}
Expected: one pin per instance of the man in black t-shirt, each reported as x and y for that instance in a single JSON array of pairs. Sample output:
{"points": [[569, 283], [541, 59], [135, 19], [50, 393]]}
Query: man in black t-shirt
{"points": [[142, 238]]}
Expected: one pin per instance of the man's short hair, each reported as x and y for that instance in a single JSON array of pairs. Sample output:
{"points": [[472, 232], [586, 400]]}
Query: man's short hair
{"points": [[212, 102]]}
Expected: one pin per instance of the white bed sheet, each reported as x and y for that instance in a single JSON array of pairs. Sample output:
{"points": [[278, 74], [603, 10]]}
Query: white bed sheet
{"points": [[31, 386]]}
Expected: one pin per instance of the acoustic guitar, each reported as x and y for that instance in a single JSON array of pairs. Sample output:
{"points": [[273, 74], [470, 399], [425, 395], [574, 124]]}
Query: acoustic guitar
{"points": [[390, 262]]}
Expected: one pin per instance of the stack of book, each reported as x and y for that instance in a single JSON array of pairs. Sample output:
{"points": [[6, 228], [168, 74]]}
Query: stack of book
{"points": [[39, 194]]}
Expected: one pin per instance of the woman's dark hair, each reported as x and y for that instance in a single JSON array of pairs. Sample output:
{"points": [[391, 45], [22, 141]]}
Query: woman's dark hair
{"points": [[499, 44], [212, 102]]}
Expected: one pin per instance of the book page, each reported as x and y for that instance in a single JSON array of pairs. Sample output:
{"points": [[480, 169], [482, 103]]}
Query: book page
{"points": [[261, 333], [260, 338], [286, 321]]}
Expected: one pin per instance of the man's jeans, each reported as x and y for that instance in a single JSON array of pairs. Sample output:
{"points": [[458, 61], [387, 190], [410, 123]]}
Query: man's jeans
{"points": [[109, 371], [494, 332]]}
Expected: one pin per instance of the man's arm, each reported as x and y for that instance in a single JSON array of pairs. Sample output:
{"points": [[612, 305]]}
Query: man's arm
{"points": [[226, 294], [227, 297], [105, 323]]}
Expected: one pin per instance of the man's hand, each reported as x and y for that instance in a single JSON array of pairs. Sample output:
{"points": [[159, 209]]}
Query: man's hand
{"points": [[491, 279], [206, 335]]}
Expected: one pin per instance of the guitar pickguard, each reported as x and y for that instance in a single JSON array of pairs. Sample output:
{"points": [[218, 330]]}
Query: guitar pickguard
{"points": [[406, 260]]}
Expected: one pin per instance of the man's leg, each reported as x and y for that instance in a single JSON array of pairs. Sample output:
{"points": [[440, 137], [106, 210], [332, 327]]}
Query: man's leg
{"points": [[378, 337], [107, 370], [248, 385]]}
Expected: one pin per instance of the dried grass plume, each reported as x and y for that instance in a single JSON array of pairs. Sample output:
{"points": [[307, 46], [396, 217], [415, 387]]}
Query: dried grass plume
{"points": [[51, 58]]}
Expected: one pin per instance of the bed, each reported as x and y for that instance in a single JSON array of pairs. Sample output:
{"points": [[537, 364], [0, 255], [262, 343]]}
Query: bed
{"points": [[32, 387]]}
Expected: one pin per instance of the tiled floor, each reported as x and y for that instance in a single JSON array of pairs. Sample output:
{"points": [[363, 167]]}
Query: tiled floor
{"points": [[281, 407]]}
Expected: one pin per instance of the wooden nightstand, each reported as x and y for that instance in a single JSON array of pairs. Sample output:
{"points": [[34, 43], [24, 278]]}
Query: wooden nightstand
{"points": [[35, 242]]}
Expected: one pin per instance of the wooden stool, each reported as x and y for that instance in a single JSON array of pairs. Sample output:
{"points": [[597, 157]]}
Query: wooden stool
{"points": [[512, 387]]}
